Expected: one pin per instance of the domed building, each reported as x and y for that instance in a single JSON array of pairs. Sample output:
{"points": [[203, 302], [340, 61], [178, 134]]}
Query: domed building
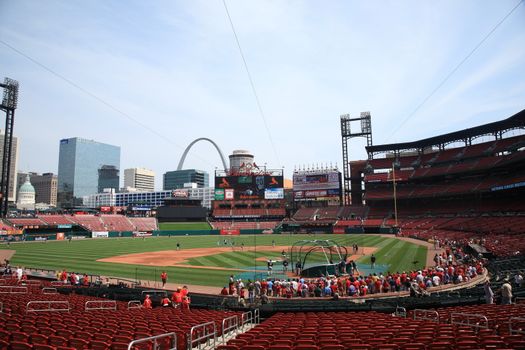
{"points": [[26, 196]]}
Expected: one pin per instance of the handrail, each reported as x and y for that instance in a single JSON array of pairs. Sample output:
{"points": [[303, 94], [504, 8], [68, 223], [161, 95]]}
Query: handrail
{"points": [[134, 304], [155, 292], [49, 305], [456, 318], [400, 312], [426, 315], [111, 305], [49, 290], [514, 321], [229, 325], [172, 336], [206, 335], [13, 290], [257, 316], [33, 282], [246, 317]]}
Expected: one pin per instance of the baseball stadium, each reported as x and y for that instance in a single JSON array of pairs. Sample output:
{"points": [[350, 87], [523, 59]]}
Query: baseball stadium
{"points": [[411, 248]]}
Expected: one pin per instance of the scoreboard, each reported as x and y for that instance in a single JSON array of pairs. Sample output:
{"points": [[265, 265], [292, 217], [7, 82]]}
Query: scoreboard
{"points": [[249, 187]]}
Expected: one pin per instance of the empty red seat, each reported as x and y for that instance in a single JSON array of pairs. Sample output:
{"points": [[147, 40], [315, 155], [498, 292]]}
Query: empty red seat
{"points": [[43, 347], [79, 343], [55, 340], [100, 345], [20, 345]]}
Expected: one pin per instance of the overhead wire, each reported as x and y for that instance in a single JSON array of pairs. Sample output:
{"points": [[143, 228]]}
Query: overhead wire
{"points": [[454, 70], [97, 98], [252, 84]]}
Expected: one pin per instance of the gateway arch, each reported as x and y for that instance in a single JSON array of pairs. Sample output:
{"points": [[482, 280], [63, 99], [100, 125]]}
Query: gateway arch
{"points": [[183, 158]]}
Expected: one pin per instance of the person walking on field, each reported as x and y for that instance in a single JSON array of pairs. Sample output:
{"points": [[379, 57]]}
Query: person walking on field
{"points": [[164, 278], [373, 261]]}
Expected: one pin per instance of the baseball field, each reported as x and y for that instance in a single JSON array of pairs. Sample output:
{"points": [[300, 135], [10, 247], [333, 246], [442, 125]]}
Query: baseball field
{"points": [[201, 260]]}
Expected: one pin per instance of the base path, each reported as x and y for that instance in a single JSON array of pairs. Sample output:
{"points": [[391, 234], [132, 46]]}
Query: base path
{"points": [[178, 257], [6, 254]]}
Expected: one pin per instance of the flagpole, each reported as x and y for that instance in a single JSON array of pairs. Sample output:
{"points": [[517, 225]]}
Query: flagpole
{"points": [[395, 198]]}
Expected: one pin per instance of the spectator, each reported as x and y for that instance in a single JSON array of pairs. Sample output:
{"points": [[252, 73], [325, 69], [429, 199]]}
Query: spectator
{"points": [[506, 293], [373, 261], [176, 298], [165, 302], [489, 294], [224, 291], [164, 278], [186, 301], [147, 302]]}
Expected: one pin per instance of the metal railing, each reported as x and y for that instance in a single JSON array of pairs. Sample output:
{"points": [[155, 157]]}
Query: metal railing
{"points": [[100, 305], [134, 304], [152, 292], [426, 315], [171, 336], [257, 316], [13, 290], [246, 317], [49, 290], [33, 282], [51, 306], [229, 325], [400, 312], [472, 320], [202, 335], [515, 321]]}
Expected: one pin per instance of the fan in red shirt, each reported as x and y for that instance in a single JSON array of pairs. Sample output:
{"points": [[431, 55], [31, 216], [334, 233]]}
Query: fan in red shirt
{"points": [[147, 302], [164, 278]]}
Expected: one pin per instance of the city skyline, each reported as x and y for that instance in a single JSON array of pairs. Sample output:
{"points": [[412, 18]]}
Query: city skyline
{"points": [[152, 89]]}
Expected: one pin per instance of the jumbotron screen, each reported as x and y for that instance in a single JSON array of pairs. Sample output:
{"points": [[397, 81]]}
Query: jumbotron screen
{"points": [[317, 185], [249, 187]]}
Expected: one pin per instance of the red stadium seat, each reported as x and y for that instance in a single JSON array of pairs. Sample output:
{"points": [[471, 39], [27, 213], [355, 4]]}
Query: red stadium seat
{"points": [[19, 345], [43, 347], [100, 345], [79, 343], [55, 340]]}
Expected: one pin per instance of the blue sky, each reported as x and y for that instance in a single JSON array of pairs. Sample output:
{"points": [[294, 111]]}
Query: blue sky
{"points": [[174, 66]]}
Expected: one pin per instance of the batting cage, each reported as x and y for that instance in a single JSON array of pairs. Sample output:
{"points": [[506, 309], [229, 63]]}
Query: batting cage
{"points": [[315, 258]]}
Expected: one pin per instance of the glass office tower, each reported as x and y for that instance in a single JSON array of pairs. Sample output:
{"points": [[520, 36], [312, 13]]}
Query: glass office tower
{"points": [[79, 162]]}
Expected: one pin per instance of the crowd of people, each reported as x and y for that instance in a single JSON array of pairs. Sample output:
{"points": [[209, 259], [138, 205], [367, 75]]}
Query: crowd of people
{"points": [[417, 282], [179, 300], [452, 266]]}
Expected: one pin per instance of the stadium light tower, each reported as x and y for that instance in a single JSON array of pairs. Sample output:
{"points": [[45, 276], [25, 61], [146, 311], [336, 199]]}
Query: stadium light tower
{"points": [[346, 135], [9, 104]]}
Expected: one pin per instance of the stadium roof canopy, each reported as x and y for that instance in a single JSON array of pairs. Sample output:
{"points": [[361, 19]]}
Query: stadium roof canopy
{"points": [[516, 121]]}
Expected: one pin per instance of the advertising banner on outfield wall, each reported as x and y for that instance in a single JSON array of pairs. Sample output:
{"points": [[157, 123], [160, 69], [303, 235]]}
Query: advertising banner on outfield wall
{"points": [[225, 232], [100, 234]]}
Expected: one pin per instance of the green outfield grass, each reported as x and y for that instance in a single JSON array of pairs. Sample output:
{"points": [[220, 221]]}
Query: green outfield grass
{"points": [[80, 256], [178, 226]]}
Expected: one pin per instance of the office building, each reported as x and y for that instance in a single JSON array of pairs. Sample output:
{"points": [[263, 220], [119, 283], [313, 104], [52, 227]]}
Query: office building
{"points": [[45, 186], [78, 168], [176, 179], [14, 166], [108, 178], [141, 179], [145, 200]]}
